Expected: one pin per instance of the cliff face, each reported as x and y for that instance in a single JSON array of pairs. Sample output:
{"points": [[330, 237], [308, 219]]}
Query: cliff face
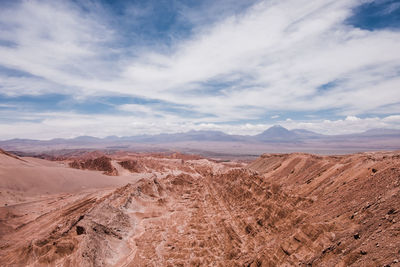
{"points": [[102, 163], [280, 210], [131, 165]]}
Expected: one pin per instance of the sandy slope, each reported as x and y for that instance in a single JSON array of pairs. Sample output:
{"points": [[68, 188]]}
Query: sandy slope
{"points": [[26, 177], [282, 210]]}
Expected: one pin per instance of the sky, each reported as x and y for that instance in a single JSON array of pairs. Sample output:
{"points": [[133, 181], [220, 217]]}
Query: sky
{"points": [[101, 68]]}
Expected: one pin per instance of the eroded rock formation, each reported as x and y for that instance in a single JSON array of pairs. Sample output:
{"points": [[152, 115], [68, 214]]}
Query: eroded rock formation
{"points": [[102, 163], [281, 210]]}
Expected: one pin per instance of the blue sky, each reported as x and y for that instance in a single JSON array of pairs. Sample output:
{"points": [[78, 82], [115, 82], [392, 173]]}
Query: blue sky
{"points": [[70, 68]]}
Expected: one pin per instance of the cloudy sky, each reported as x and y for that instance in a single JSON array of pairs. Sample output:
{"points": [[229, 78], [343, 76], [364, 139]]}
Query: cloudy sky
{"points": [[70, 68]]}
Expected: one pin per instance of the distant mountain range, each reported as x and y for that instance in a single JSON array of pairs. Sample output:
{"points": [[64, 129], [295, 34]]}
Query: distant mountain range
{"points": [[276, 137]]}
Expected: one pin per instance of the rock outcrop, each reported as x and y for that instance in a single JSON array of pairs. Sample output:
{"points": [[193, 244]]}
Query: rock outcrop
{"points": [[102, 163]]}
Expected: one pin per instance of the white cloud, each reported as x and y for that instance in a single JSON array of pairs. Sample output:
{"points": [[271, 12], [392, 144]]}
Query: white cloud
{"points": [[282, 55], [351, 124], [135, 108], [392, 119], [273, 57], [68, 125]]}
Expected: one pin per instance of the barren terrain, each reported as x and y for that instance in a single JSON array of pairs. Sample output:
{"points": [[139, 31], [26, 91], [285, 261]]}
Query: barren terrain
{"points": [[219, 144], [127, 209]]}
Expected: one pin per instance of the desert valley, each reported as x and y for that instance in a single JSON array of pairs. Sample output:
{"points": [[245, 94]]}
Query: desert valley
{"points": [[256, 133], [170, 209]]}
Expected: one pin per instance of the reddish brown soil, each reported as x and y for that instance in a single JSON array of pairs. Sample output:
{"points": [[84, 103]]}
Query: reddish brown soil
{"points": [[102, 163], [9, 154], [280, 210], [131, 165]]}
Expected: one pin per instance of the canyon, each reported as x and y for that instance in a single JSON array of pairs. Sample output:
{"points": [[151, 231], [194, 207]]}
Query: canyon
{"points": [[97, 208]]}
